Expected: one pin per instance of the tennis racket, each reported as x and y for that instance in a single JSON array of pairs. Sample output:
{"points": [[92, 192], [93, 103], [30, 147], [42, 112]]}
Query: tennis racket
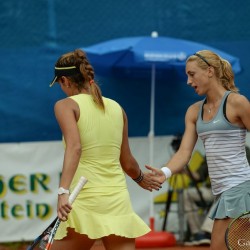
{"points": [[237, 235], [45, 239]]}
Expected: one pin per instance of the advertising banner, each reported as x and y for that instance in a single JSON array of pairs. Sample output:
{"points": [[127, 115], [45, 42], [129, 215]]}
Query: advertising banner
{"points": [[29, 179]]}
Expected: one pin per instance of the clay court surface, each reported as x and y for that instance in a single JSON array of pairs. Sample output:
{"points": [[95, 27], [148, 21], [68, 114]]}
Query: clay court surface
{"points": [[99, 246]]}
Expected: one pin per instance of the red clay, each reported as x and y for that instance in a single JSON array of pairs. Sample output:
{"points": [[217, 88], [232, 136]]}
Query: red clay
{"points": [[99, 246]]}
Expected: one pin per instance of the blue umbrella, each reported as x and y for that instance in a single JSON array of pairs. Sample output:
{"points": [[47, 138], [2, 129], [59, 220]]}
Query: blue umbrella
{"points": [[145, 57], [133, 57]]}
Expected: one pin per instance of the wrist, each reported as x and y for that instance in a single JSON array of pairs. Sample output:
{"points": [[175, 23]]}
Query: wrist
{"points": [[139, 178], [167, 172], [62, 190]]}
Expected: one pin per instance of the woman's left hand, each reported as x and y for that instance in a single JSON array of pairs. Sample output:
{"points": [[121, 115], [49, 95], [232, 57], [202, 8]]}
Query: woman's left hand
{"points": [[149, 182]]}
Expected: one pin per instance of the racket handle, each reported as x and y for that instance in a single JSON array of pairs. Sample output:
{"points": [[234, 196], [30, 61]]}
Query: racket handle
{"points": [[77, 189], [72, 197]]}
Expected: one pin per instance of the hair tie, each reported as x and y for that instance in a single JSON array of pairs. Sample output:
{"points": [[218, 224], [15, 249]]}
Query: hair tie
{"points": [[91, 81]]}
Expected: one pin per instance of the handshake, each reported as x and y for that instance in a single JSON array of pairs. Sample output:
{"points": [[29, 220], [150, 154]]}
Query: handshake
{"points": [[153, 180]]}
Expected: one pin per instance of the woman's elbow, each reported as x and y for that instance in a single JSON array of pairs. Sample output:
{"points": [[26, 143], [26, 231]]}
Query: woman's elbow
{"points": [[75, 149]]}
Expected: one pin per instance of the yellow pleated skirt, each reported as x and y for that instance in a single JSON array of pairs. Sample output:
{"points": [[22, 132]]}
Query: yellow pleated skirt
{"points": [[102, 213]]}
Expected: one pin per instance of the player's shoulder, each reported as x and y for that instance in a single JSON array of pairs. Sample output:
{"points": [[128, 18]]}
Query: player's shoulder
{"points": [[193, 111], [237, 99], [195, 107], [109, 101], [61, 102], [65, 103]]}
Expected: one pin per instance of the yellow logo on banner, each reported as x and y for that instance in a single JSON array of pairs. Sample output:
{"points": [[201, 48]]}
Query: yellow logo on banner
{"points": [[22, 185]]}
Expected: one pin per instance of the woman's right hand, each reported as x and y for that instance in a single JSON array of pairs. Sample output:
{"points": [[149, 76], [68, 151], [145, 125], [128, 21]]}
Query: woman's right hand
{"points": [[63, 207], [158, 175]]}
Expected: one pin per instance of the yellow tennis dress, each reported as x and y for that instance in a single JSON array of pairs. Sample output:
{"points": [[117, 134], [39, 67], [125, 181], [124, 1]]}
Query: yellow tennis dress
{"points": [[103, 207]]}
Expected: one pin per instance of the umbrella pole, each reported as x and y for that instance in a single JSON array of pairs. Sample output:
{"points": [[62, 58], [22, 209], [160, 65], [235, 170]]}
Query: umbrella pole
{"points": [[153, 238], [151, 141]]}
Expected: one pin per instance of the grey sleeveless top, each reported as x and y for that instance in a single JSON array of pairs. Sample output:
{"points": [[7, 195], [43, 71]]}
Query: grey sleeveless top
{"points": [[224, 145]]}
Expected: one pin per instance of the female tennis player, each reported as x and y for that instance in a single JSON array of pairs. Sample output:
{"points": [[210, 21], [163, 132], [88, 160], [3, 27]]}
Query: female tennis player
{"points": [[221, 121], [95, 133]]}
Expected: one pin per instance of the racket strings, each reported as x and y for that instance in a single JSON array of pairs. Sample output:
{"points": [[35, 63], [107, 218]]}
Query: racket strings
{"points": [[238, 236]]}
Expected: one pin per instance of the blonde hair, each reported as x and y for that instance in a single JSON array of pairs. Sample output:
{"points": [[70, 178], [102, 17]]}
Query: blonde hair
{"points": [[222, 68], [85, 78]]}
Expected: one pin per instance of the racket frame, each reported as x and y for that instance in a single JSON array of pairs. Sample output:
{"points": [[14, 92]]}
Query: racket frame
{"points": [[56, 222], [229, 227]]}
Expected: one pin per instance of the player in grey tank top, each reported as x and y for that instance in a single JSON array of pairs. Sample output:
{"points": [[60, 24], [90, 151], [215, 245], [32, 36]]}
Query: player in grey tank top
{"points": [[221, 120], [219, 138]]}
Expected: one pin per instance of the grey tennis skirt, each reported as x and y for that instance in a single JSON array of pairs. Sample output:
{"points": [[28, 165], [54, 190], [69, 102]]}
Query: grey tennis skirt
{"points": [[231, 203]]}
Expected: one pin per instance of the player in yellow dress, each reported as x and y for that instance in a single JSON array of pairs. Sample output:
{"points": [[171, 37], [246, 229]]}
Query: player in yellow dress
{"points": [[95, 134]]}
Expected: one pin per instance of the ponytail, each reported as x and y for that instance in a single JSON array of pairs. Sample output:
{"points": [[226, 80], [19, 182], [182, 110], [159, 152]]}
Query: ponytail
{"points": [[96, 94], [84, 79], [227, 76]]}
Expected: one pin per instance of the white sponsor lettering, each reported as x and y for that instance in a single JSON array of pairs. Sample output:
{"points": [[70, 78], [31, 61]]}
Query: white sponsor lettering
{"points": [[243, 242], [164, 57]]}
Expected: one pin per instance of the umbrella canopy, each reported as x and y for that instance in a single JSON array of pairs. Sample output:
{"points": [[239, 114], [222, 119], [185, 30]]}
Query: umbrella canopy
{"points": [[133, 57]]}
